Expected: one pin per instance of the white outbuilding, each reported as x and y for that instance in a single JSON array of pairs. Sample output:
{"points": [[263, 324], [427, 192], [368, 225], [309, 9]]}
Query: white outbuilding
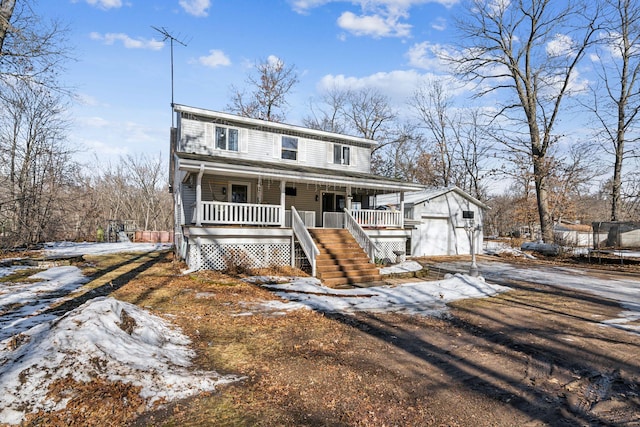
{"points": [[442, 221]]}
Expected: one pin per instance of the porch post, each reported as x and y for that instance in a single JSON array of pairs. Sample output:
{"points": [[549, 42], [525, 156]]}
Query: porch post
{"points": [[199, 197], [402, 209], [283, 185], [349, 199]]}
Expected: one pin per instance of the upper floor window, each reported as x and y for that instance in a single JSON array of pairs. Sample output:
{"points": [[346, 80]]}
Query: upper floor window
{"points": [[341, 154], [226, 138], [289, 148]]}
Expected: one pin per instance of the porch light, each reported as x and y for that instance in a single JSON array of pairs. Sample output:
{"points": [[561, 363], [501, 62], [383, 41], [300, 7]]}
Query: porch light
{"points": [[224, 191]]}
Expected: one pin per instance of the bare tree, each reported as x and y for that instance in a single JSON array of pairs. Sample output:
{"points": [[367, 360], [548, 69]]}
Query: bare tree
{"points": [[369, 113], [328, 113], [36, 163], [617, 104], [528, 49], [474, 154], [268, 91], [6, 11], [363, 112], [134, 189], [400, 156], [434, 109], [456, 139], [147, 177], [31, 48]]}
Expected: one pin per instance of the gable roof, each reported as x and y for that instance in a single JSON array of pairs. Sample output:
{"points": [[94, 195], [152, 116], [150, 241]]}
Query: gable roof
{"points": [[417, 197], [275, 127]]}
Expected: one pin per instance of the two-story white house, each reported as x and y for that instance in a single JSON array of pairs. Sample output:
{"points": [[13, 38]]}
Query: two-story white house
{"points": [[254, 193]]}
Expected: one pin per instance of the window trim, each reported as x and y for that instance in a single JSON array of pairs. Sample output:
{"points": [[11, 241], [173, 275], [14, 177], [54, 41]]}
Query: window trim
{"points": [[341, 149], [228, 130], [284, 150], [247, 184]]}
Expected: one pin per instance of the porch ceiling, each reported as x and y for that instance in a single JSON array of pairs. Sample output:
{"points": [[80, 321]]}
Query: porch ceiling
{"points": [[288, 172]]}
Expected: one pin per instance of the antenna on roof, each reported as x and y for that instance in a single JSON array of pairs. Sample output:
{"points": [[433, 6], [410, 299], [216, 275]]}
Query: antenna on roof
{"points": [[167, 35]]}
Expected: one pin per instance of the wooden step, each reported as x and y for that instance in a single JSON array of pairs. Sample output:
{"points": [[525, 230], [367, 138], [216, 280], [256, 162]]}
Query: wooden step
{"points": [[347, 274], [341, 260], [343, 255], [351, 281], [331, 265]]}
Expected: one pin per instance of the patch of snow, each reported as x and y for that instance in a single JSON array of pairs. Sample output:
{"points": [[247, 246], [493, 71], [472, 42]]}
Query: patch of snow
{"points": [[154, 356], [87, 248], [404, 267], [504, 249], [625, 291], [24, 305], [411, 298]]}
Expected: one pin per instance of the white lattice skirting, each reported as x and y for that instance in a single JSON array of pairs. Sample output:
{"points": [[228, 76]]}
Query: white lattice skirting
{"points": [[386, 248], [216, 256]]}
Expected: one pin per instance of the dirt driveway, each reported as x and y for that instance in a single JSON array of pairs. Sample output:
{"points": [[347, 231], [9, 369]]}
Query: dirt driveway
{"points": [[534, 356]]}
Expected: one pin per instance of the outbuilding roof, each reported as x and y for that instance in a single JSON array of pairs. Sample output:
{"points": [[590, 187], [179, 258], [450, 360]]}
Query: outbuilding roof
{"points": [[425, 195]]}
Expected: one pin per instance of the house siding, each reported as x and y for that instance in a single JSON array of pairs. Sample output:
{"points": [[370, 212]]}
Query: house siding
{"points": [[197, 137]]}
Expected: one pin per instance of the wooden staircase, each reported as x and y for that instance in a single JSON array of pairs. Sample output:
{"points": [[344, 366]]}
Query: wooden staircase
{"points": [[342, 261]]}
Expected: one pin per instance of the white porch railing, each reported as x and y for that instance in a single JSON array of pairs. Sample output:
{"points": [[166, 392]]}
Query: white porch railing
{"points": [[308, 217], [360, 235], [306, 241], [378, 218], [333, 219], [237, 213]]}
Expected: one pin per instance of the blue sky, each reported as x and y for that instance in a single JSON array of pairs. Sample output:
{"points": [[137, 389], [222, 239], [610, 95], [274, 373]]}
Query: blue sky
{"points": [[121, 71]]}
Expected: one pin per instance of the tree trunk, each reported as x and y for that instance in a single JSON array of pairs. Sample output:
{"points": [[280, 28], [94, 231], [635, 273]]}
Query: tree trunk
{"points": [[617, 179], [6, 10], [542, 198]]}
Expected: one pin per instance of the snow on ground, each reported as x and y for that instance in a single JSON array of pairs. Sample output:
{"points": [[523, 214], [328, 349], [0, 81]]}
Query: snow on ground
{"points": [[94, 341], [626, 291], [504, 249], [24, 305], [427, 298], [405, 267], [40, 347], [37, 347], [76, 249]]}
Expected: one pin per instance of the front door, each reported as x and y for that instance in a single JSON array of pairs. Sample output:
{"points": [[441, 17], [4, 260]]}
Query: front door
{"points": [[239, 193], [332, 207], [328, 202]]}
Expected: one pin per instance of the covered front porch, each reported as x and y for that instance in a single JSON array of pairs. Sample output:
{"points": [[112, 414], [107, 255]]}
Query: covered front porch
{"points": [[214, 195], [222, 205]]}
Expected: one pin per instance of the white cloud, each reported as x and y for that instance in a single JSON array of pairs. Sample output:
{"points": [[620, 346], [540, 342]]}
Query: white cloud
{"points": [[398, 85], [561, 45], [430, 56], [101, 148], [378, 18], [196, 7], [373, 25], [215, 59], [95, 122], [440, 24], [105, 4], [86, 100], [303, 6], [128, 42]]}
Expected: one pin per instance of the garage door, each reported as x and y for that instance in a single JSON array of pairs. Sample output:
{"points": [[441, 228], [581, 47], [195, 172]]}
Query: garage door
{"points": [[432, 237]]}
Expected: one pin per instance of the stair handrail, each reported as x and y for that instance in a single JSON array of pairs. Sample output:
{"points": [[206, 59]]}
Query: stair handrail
{"points": [[304, 237], [360, 235]]}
